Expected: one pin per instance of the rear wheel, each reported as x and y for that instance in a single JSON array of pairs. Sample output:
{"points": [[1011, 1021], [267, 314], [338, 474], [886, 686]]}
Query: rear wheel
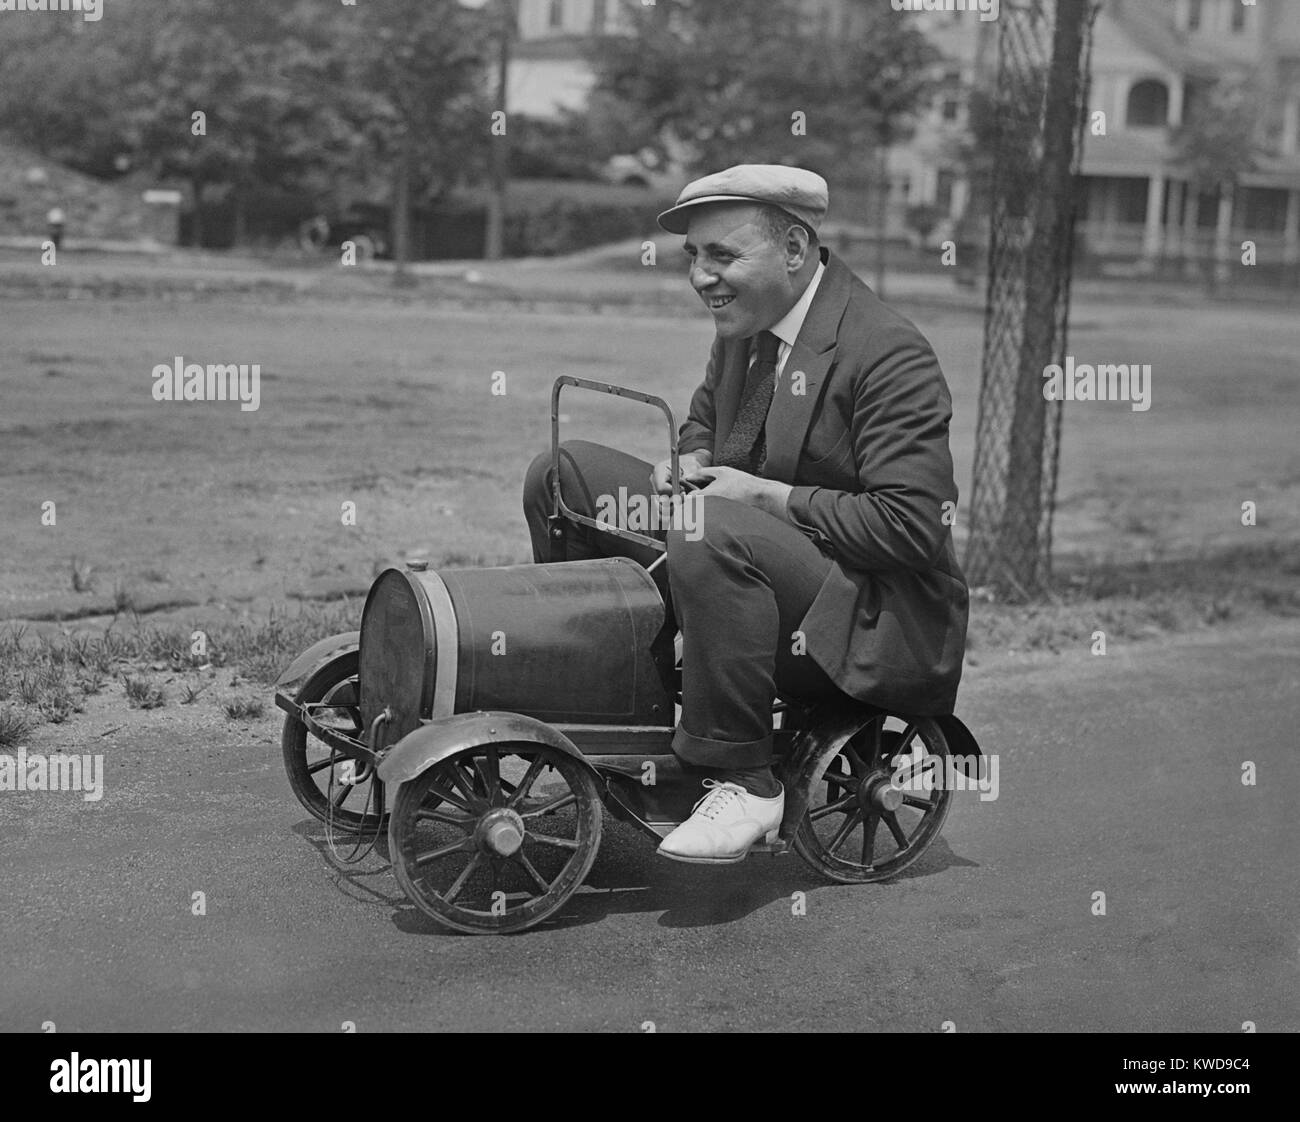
{"points": [[496, 837], [315, 767], [878, 803]]}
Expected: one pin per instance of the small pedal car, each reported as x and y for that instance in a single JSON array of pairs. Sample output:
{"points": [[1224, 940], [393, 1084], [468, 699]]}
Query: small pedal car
{"points": [[485, 717]]}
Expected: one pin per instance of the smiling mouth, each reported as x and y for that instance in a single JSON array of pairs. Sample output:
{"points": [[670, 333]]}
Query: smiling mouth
{"points": [[716, 302]]}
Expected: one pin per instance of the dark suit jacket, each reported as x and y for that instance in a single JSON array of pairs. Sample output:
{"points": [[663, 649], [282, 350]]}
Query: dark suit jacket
{"points": [[865, 446]]}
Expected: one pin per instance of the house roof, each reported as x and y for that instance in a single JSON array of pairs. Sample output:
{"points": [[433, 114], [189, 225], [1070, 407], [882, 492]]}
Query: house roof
{"points": [[1149, 28]]}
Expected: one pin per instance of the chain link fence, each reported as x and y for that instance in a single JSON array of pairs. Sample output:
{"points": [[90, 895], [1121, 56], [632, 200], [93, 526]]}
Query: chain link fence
{"points": [[1044, 56]]}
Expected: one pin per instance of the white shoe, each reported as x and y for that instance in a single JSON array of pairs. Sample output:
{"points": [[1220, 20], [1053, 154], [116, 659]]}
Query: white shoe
{"points": [[723, 825]]}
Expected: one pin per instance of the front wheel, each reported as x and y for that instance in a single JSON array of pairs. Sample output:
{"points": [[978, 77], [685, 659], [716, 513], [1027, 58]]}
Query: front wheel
{"points": [[495, 838]]}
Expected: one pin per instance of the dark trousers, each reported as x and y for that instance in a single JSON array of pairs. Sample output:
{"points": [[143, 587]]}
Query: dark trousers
{"points": [[741, 581]]}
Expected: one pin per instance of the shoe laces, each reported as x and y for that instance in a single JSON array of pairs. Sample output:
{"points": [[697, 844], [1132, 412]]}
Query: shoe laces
{"points": [[719, 796]]}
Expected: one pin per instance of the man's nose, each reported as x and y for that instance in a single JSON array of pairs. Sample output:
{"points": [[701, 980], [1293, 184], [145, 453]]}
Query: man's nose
{"points": [[702, 278]]}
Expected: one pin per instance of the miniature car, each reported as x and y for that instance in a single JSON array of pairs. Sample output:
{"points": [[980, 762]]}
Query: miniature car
{"points": [[485, 717]]}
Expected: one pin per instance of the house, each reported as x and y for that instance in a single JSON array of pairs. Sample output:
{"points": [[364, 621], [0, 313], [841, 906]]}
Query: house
{"points": [[1149, 58]]}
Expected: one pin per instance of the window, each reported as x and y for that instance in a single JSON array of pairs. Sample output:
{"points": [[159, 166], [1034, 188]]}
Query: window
{"points": [[1238, 17], [555, 20], [950, 97], [599, 16], [1193, 15], [1148, 104]]}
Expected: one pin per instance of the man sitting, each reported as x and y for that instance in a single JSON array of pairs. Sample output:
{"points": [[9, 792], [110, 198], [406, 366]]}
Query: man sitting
{"points": [[821, 560]]}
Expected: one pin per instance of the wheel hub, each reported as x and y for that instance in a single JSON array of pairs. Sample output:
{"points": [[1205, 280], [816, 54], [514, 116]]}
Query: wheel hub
{"points": [[881, 796], [500, 832]]}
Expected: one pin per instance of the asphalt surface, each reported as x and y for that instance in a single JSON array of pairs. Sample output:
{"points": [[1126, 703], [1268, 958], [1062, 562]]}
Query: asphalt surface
{"points": [[1119, 774]]}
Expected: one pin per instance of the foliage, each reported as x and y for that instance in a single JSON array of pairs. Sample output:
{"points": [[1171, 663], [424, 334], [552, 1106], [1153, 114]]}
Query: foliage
{"points": [[1217, 141], [726, 80], [298, 95]]}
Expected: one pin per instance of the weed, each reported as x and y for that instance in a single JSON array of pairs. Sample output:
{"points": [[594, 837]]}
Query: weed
{"points": [[244, 708], [14, 725], [143, 694]]}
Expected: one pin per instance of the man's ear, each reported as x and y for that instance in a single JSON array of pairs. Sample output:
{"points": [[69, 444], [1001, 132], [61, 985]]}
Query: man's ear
{"points": [[796, 248]]}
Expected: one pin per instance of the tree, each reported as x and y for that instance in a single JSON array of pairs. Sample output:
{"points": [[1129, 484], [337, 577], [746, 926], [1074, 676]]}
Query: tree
{"points": [[60, 83], [1042, 95], [737, 82], [235, 97], [421, 66], [1216, 144], [321, 99]]}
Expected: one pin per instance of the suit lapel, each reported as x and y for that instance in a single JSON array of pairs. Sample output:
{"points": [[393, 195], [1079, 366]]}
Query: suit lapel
{"points": [[803, 377]]}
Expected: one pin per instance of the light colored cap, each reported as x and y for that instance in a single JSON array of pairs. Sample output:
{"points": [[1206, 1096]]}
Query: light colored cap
{"points": [[797, 191]]}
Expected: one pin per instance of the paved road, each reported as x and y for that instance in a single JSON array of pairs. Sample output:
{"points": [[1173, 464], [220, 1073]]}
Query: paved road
{"points": [[1119, 775]]}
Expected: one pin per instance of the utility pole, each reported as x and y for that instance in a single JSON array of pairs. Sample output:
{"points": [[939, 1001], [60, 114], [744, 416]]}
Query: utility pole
{"points": [[494, 241]]}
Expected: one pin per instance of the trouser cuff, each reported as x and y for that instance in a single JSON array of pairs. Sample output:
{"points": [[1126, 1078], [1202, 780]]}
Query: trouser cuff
{"points": [[704, 752]]}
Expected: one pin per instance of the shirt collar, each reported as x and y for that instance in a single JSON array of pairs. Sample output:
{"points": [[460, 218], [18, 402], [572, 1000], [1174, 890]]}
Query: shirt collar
{"points": [[787, 328]]}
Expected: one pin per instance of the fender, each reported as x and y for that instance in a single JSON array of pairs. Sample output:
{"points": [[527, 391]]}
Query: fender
{"points": [[961, 743], [832, 727], [434, 741], [317, 655], [829, 726]]}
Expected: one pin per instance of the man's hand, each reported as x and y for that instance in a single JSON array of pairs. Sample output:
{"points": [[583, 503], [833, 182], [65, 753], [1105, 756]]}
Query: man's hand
{"points": [[690, 465], [765, 494]]}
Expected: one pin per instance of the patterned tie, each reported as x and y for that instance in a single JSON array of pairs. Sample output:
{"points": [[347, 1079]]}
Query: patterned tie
{"points": [[745, 447]]}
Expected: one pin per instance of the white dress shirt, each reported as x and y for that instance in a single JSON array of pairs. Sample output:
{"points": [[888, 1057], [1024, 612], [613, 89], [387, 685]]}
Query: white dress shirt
{"points": [[787, 328]]}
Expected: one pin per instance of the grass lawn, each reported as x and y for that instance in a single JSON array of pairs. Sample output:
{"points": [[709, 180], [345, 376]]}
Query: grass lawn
{"points": [[391, 407]]}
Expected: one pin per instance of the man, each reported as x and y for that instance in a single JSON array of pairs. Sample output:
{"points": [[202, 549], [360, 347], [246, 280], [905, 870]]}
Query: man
{"points": [[822, 559]]}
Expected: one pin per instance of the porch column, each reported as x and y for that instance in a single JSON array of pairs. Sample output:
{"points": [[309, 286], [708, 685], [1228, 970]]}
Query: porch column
{"points": [[1191, 229], [1223, 234], [1173, 224], [1155, 202], [960, 196]]}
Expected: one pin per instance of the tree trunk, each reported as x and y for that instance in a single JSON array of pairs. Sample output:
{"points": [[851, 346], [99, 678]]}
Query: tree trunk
{"points": [[402, 208], [882, 216], [494, 237], [1018, 534], [196, 229], [241, 217]]}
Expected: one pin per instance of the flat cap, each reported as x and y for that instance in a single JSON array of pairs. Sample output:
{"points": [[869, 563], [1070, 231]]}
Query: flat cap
{"points": [[797, 191]]}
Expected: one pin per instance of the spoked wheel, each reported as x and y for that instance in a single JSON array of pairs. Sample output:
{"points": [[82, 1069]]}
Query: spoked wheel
{"points": [[309, 762], [878, 803], [495, 838]]}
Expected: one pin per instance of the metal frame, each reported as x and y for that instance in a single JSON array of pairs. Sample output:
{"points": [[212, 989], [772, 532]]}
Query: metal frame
{"points": [[560, 513]]}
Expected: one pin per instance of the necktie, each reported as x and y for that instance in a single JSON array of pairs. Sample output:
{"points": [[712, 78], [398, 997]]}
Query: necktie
{"points": [[745, 447]]}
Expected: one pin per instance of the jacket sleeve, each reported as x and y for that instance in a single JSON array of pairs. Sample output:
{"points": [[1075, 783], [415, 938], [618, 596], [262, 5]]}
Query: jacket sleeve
{"points": [[697, 431], [895, 519]]}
